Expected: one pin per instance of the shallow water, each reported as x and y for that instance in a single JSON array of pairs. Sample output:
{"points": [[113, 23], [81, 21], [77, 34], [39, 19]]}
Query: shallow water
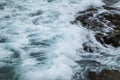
{"points": [[37, 41]]}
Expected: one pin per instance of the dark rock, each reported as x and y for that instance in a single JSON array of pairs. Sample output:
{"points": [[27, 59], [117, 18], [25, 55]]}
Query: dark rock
{"points": [[92, 76], [104, 75], [89, 47], [111, 8], [106, 25], [110, 2]]}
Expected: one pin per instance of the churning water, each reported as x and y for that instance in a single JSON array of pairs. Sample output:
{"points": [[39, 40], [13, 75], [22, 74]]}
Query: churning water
{"points": [[37, 41]]}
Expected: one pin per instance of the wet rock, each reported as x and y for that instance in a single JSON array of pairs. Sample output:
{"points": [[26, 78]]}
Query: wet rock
{"points": [[89, 47], [111, 8], [110, 2], [106, 25], [104, 75]]}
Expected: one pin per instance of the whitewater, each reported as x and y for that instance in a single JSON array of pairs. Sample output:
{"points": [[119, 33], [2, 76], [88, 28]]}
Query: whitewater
{"points": [[38, 42]]}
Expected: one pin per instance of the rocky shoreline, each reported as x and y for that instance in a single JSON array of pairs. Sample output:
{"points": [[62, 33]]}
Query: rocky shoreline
{"points": [[105, 23]]}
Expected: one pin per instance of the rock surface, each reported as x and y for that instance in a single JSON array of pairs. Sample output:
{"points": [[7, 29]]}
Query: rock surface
{"points": [[104, 75], [110, 2], [104, 21]]}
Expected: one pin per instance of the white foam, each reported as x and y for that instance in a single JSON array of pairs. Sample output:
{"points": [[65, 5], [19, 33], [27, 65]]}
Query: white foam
{"points": [[117, 4], [54, 25]]}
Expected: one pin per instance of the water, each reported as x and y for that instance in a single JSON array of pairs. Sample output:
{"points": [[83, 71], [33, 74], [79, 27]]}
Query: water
{"points": [[37, 41]]}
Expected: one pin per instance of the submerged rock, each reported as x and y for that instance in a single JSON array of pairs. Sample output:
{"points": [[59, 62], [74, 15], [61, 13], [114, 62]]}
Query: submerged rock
{"points": [[104, 75], [104, 21]]}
